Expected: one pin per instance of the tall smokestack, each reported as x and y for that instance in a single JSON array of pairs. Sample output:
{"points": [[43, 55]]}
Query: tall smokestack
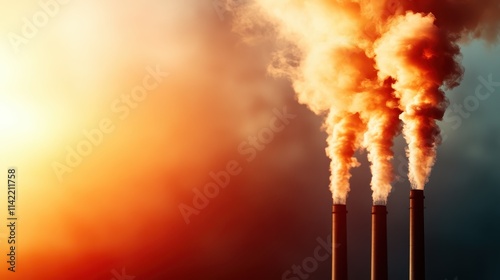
{"points": [[379, 242], [339, 242], [417, 247]]}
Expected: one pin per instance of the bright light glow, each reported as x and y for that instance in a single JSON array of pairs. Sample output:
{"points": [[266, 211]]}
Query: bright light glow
{"points": [[17, 120]]}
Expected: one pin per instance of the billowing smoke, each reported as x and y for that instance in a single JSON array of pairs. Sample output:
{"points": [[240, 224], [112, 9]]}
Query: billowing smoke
{"points": [[372, 69]]}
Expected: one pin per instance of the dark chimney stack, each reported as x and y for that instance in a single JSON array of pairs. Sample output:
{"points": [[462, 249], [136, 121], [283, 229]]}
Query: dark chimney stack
{"points": [[417, 247], [339, 242], [379, 258], [379, 243]]}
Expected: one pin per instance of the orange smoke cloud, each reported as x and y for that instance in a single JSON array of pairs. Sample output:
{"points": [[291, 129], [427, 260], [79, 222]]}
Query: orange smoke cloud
{"points": [[381, 116], [421, 59], [343, 141], [370, 66]]}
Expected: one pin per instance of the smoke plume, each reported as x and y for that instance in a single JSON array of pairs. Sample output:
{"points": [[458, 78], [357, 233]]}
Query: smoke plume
{"points": [[372, 69]]}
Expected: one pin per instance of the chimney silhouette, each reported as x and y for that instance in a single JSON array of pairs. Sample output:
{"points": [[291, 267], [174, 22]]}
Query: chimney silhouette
{"points": [[417, 246], [379, 243], [339, 242]]}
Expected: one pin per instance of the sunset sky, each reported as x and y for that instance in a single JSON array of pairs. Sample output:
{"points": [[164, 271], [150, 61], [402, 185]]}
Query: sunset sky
{"points": [[117, 114]]}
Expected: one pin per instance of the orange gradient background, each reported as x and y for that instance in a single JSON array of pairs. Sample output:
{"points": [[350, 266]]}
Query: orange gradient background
{"points": [[119, 207]]}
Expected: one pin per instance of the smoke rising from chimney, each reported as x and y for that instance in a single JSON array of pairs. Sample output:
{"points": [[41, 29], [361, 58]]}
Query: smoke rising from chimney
{"points": [[373, 69]]}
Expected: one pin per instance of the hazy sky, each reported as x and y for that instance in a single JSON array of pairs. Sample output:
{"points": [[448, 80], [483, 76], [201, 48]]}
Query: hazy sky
{"points": [[119, 205]]}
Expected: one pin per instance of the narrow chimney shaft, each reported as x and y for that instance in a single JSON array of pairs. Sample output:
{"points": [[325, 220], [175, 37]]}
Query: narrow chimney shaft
{"points": [[417, 246], [339, 242], [379, 268]]}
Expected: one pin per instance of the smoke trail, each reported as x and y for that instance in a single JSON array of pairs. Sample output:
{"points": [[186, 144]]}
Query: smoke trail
{"points": [[383, 125], [369, 66], [415, 52], [336, 74], [343, 141]]}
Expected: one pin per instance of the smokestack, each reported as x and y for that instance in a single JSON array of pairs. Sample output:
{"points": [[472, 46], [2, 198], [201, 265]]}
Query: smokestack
{"points": [[339, 242], [379, 242], [417, 248]]}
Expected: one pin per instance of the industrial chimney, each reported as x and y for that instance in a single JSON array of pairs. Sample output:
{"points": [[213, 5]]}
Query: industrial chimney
{"points": [[417, 248], [339, 242], [379, 243]]}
